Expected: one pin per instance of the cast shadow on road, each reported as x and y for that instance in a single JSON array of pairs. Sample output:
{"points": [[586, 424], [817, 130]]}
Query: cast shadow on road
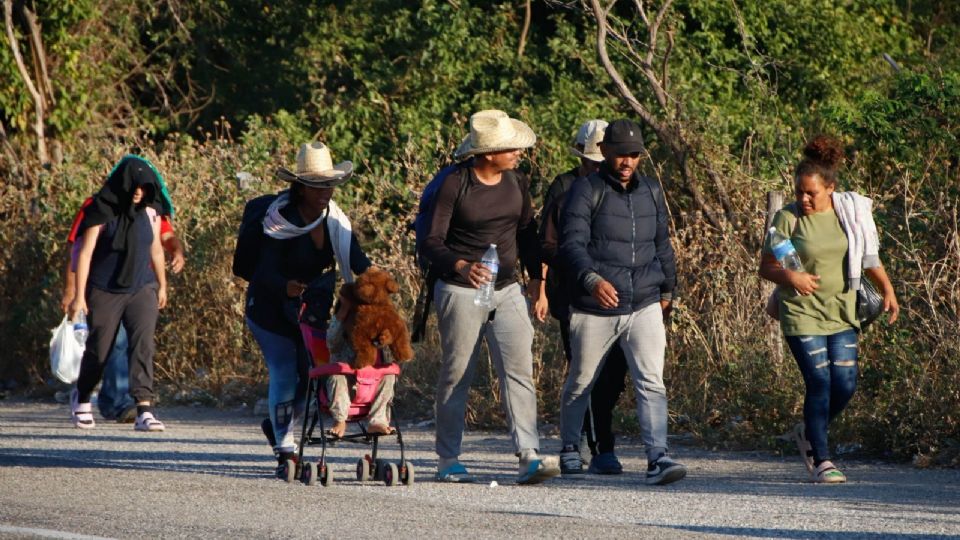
{"points": [[877, 489], [186, 456], [752, 532], [138, 438]]}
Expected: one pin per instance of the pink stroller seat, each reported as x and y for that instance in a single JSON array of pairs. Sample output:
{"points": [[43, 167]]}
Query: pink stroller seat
{"points": [[366, 382]]}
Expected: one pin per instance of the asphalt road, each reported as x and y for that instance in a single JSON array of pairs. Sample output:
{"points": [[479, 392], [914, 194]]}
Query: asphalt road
{"points": [[209, 476]]}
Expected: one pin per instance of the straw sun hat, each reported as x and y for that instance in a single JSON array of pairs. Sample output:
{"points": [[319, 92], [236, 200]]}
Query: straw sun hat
{"points": [[589, 137], [494, 131], [315, 167]]}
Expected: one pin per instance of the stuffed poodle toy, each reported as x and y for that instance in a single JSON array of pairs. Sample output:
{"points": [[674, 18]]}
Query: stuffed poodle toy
{"points": [[376, 322]]}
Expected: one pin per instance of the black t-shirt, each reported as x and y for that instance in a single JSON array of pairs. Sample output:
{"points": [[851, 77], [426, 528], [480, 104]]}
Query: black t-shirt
{"points": [[500, 214]]}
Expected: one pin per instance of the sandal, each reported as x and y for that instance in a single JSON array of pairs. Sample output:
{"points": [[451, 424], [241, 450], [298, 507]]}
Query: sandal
{"points": [[803, 445], [827, 473], [81, 413], [456, 474], [147, 422]]}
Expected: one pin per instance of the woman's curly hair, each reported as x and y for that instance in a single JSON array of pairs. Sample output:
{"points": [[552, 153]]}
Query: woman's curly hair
{"points": [[822, 156]]}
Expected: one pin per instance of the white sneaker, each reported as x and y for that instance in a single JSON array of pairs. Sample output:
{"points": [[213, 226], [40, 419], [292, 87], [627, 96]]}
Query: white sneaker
{"points": [[147, 422]]}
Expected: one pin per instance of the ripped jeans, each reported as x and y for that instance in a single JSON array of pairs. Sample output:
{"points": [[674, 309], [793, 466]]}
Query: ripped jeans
{"points": [[287, 367], [829, 368]]}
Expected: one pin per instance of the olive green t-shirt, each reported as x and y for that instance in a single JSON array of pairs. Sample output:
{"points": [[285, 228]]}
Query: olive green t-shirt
{"points": [[822, 246]]}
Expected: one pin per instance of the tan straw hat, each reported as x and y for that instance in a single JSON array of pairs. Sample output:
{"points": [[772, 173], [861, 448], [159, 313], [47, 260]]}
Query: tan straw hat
{"points": [[315, 167], [589, 137], [494, 131]]}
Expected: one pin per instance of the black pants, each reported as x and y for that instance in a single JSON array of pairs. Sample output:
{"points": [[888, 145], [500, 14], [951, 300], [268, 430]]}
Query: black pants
{"points": [[598, 422], [138, 311]]}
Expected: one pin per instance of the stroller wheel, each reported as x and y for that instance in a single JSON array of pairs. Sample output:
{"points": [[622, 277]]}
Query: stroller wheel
{"points": [[309, 474], [363, 470], [288, 471], [379, 469], [326, 475], [391, 476], [406, 473]]}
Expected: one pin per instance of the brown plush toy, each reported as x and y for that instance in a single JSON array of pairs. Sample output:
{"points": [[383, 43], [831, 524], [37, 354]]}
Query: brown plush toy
{"points": [[377, 323]]}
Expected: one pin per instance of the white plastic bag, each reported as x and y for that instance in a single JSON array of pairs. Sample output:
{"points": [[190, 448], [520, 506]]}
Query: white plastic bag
{"points": [[65, 352]]}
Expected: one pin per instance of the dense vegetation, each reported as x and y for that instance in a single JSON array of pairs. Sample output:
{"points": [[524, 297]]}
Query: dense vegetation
{"points": [[729, 89]]}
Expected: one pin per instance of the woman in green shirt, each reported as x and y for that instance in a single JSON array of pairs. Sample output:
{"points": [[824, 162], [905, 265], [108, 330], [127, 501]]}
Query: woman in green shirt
{"points": [[835, 237]]}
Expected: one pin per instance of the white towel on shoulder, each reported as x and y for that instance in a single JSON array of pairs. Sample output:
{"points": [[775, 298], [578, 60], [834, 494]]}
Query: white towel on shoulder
{"points": [[855, 213], [341, 232]]}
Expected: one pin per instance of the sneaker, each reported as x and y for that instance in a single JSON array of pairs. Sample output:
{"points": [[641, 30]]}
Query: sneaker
{"points": [[81, 413], [827, 473], [127, 415], [538, 470], [456, 473], [570, 461], [664, 471], [803, 446], [605, 463], [147, 422]]}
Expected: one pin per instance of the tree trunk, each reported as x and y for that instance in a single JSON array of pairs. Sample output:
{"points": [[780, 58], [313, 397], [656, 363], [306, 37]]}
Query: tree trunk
{"points": [[38, 127]]}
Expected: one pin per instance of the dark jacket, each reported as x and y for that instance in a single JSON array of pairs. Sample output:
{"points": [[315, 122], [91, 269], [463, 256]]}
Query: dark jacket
{"points": [[625, 241], [557, 287], [294, 259]]}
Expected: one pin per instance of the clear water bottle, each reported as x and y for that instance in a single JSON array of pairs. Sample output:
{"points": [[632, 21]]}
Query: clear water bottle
{"points": [[783, 250], [484, 296], [80, 329]]}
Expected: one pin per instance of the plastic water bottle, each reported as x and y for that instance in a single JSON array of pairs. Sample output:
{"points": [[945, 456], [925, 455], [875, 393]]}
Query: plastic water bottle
{"points": [[784, 251], [491, 260], [80, 329]]}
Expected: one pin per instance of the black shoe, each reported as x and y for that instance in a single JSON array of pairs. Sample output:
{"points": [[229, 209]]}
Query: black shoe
{"points": [[570, 461], [664, 471], [128, 415]]}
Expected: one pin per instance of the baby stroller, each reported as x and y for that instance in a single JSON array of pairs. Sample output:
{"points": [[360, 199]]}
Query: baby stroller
{"points": [[369, 466]]}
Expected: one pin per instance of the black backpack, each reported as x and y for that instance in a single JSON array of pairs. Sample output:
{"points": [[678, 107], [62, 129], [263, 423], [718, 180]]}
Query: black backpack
{"points": [[250, 236], [421, 227]]}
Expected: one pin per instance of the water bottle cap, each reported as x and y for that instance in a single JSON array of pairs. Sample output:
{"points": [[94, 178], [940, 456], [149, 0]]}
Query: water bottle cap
{"points": [[493, 245]]}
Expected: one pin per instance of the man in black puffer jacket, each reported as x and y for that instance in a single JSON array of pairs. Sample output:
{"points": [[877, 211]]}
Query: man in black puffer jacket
{"points": [[616, 247]]}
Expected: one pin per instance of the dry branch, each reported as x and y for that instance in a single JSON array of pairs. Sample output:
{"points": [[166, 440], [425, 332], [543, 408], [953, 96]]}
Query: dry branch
{"points": [[42, 154], [526, 29]]}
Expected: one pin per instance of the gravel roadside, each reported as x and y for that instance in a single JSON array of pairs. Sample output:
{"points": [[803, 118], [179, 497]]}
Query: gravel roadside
{"points": [[208, 475]]}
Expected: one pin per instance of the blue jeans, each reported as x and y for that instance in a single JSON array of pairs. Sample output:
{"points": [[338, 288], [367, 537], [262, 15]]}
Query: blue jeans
{"points": [[287, 366], [114, 396], [829, 368]]}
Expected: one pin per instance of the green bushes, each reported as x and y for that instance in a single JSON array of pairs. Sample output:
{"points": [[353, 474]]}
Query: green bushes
{"points": [[213, 89]]}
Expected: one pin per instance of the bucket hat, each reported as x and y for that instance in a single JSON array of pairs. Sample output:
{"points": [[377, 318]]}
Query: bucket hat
{"points": [[588, 137]]}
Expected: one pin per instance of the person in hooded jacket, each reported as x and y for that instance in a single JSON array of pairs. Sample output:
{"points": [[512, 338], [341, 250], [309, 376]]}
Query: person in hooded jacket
{"points": [[121, 278]]}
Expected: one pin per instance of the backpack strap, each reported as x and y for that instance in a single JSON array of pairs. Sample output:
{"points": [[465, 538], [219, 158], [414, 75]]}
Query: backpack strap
{"points": [[600, 189]]}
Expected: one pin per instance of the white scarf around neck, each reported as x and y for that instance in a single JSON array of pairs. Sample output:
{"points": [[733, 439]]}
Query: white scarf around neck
{"points": [[341, 232]]}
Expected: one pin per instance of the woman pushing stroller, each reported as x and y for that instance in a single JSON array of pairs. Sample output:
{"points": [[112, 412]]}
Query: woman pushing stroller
{"points": [[307, 236]]}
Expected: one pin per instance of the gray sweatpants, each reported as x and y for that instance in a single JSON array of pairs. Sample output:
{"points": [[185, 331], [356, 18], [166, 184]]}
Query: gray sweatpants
{"points": [[509, 337], [642, 337]]}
